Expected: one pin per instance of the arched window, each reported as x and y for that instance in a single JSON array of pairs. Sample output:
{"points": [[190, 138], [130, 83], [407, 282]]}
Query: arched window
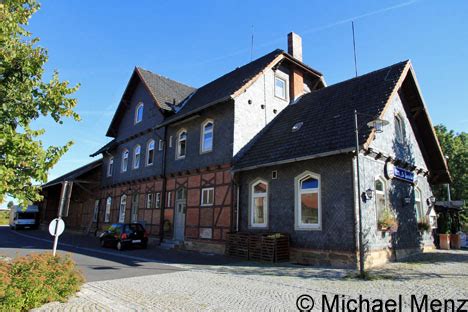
{"points": [[400, 132], [108, 209], [139, 113], [308, 208], [380, 197], [259, 204], [123, 207], [124, 160], [207, 136], [418, 205], [135, 203], [136, 157], [110, 166], [150, 153], [181, 144]]}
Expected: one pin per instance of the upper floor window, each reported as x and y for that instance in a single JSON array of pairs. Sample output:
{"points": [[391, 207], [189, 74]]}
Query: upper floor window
{"points": [[108, 209], [124, 160], [181, 144], [380, 197], [139, 113], [207, 196], [96, 210], [161, 145], [259, 204], [400, 131], [122, 208], [150, 153], [136, 157], [280, 88], [110, 166], [207, 136], [308, 202]]}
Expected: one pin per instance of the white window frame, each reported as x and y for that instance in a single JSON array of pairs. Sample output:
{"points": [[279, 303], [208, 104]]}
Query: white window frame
{"points": [[400, 131], [137, 109], [253, 196], [206, 197], [384, 193], [178, 145], [419, 212], [96, 210], [170, 141], [122, 208], [108, 209], [148, 149], [169, 197], [157, 202], [134, 209], [136, 156], [149, 200], [298, 225], [285, 97], [110, 166], [203, 132], [160, 145], [124, 165]]}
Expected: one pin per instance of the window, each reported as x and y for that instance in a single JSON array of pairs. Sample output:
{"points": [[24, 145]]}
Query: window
{"points": [[259, 204], [96, 210], [169, 195], [207, 136], [207, 197], [158, 200], [170, 141], [181, 144], [418, 205], [134, 216], [124, 160], [380, 197], [150, 153], [308, 202], [399, 129], [274, 175], [110, 166], [108, 208], [139, 113], [149, 200], [280, 88], [161, 145], [136, 157], [123, 206]]}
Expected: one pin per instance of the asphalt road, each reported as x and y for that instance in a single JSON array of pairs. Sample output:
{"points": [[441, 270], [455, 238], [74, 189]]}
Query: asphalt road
{"points": [[97, 264]]}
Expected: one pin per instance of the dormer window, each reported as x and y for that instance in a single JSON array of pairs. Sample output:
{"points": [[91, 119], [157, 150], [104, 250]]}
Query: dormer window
{"points": [[181, 144], [136, 157], [124, 160], [150, 153], [207, 137], [139, 113], [110, 166], [280, 88]]}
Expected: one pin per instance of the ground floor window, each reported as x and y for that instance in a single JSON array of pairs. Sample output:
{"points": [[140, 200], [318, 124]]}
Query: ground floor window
{"points": [[108, 209], [308, 212], [158, 200], [149, 200], [259, 204], [123, 206], [134, 216], [207, 196], [380, 198], [418, 206], [96, 210]]}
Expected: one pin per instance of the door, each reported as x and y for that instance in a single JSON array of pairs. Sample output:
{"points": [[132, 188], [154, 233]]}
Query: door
{"points": [[179, 215]]}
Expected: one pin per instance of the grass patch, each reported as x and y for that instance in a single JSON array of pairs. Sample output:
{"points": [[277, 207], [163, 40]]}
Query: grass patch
{"points": [[369, 276], [4, 217], [29, 282]]}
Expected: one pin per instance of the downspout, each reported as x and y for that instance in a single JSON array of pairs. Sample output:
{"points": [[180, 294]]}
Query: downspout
{"points": [[355, 204], [163, 191], [237, 189]]}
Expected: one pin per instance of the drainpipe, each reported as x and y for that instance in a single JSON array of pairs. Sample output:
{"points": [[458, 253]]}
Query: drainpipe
{"points": [[163, 191]]}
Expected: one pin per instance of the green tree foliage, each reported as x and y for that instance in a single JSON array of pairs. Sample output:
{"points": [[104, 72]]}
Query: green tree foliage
{"points": [[25, 97], [455, 146], [10, 204]]}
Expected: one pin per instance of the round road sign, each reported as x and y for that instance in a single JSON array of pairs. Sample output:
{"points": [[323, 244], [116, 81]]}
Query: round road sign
{"points": [[56, 227]]}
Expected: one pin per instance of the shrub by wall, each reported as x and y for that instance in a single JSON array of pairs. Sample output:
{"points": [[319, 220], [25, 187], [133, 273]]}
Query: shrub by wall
{"points": [[33, 280]]}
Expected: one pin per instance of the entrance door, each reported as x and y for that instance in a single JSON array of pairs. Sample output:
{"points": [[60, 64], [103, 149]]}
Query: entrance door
{"points": [[179, 215]]}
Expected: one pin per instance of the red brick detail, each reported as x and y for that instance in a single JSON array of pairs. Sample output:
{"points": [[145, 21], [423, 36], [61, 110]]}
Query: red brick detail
{"points": [[219, 177], [217, 234], [193, 197], [227, 177], [191, 232], [223, 216], [194, 181], [170, 184], [169, 214], [208, 179], [222, 196], [156, 216], [206, 216], [192, 215]]}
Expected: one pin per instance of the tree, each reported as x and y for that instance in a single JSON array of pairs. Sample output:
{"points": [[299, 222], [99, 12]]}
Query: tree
{"points": [[455, 147], [25, 97]]}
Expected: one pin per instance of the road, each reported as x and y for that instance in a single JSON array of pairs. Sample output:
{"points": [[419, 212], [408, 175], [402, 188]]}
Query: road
{"points": [[97, 264]]}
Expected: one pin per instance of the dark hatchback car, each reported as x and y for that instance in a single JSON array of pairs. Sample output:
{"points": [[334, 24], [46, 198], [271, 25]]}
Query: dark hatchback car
{"points": [[124, 235]]}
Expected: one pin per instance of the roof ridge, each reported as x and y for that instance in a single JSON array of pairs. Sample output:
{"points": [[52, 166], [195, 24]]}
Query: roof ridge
{"points": [[164, 77]]}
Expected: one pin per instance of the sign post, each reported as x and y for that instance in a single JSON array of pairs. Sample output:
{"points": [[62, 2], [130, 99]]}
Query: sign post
{"points": [[57, 226]]}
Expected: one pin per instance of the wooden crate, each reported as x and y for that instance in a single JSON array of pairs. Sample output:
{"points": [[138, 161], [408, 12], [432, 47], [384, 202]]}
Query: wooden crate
{"points": [[272, 247]]}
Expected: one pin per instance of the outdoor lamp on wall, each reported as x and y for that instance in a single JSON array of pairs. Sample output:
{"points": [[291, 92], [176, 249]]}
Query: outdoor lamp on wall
{"points": [[377, 124], [407, 200], [369, 193], [431, 200]]}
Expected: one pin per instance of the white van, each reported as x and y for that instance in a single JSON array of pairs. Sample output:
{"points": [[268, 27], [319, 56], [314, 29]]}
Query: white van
{"points": [[23, 219]]}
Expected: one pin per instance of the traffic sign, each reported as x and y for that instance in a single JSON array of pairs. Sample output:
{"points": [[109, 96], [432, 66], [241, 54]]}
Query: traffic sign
{"points": [[56, 227]]}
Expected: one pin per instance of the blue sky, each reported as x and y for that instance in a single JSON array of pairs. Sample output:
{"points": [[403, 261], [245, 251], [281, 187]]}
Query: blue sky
{"points": [[98, 43]]}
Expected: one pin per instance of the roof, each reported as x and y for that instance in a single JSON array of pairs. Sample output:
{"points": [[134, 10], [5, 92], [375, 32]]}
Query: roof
{"points": [[328, 119], [165, 93], [72, 175], [105, 148], [226, 86]]}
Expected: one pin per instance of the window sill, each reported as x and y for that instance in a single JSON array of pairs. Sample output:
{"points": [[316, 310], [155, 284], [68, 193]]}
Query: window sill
{"points": [[180, 158], [282, 99], [206, 205], [317, 227], [149, 165], [205, 152]]}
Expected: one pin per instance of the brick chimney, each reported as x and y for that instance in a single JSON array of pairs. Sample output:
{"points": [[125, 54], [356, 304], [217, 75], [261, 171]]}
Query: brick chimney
{"points": [[296, 78]]}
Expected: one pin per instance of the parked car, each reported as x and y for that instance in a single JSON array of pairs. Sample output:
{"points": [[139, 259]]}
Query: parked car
{"points": [[24, 218], [124, 235]]}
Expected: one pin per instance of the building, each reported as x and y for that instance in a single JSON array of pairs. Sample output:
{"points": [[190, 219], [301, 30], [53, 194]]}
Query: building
{"points": [[268, 147]]}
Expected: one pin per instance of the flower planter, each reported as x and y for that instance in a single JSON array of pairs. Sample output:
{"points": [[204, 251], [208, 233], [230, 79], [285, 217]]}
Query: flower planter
{"points": [[455, 241], [444, 241]]}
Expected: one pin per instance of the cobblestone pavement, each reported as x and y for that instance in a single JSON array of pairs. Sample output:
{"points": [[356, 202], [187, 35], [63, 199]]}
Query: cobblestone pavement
{"points": [[258, 287]]}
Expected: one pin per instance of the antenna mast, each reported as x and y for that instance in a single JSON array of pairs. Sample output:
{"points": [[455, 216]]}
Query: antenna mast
{"points": [[354, 48], [252, 44]]}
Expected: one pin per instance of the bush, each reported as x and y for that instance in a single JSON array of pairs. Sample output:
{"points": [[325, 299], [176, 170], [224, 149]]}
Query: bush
{"points": [[4, 217], [387, 221], [31, 281]]}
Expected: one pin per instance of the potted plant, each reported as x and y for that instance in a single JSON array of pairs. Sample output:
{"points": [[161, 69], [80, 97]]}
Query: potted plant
{"points": [[423, 226], [386, 221], [444, 231], [455, 234]]}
